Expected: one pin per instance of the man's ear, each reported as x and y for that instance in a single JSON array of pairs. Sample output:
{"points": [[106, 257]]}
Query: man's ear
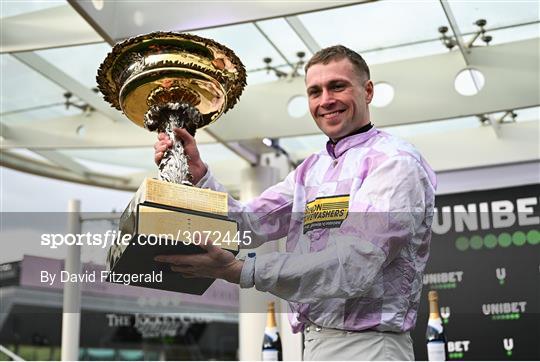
{"points": [[368, 87]]}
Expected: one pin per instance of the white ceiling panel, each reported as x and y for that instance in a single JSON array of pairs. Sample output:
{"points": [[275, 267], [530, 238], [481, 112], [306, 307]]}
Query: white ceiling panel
{"points": [[139, 159], [300, 147], [39, 113], [29, 154], [23, 88], [48, 27], [79, 62], [512, 34], [127, 159], [284, 37], [446, 125], [393, 54], [496, 13], [528, 114], [377, 24], [246, 41], [12, 8], [261, 76], [139, 17]]}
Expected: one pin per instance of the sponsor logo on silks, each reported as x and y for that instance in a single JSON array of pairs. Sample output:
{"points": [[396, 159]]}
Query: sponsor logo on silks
{"points": [[326, 212], [445, 314], [447, 280], [501, 275], [508, 344], [457, 349], [505, 310]]}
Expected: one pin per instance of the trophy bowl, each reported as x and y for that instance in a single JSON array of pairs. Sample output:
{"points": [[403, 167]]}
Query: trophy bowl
{"points": [[162, 67], [164, 80]]}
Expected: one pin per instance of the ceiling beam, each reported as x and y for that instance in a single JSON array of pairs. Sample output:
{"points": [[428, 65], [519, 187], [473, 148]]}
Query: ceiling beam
{"points": [[64, 162], [56, 75], [62, 133], [465, 53], [40, 168], [302, 32], [237, 149], [455, 29], [54, 27], [477, 148], [465, 148]]}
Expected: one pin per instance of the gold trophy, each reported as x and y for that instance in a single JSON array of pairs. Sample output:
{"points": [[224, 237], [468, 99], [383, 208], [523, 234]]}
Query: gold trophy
{"points": [[160, 81]]}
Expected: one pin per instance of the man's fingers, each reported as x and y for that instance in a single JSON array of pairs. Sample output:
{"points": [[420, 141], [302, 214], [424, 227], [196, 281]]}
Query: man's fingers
{"points": [[162, 147], [158, 157], [208, 245], [205, 244], [185, 272], [163, 140], [182, 268], [162, 136], [172, 259], [189, 276], [179, 260], [184, 135]]}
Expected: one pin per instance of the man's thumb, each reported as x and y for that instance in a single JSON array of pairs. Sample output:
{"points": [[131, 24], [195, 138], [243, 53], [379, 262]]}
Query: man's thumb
{"points": [[184, 135]]}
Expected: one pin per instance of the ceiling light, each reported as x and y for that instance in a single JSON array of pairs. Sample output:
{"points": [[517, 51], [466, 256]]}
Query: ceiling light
{"points": [[297, 106], [383, 94], [138, 18], [98, 4], [480, 33], [469, 82], [448, 41], [267, 141], [81, 131], [281, 74]]}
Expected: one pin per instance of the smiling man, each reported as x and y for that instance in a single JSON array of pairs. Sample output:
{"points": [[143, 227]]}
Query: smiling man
{"points": [[339, 91], [357, 218]]}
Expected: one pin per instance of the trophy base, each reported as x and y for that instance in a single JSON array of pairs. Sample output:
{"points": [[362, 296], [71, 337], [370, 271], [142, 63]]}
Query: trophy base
{"points": [[149, 229]]}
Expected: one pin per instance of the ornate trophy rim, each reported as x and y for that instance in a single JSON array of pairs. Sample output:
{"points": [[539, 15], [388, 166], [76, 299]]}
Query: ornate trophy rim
{"points": [[227, 74]]}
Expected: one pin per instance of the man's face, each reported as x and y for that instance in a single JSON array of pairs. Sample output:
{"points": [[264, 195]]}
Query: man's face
{"points": [[338, 97]]}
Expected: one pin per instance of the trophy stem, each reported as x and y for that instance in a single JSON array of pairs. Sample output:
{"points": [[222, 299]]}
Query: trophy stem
{"points": [[174, 165]]}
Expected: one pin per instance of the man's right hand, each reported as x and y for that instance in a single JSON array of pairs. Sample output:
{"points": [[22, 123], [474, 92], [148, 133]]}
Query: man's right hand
{"points": [[197, 168], [162, 145]]}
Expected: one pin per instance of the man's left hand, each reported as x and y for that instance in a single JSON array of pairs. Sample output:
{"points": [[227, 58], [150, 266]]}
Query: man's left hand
{"points": [[215, 263]]}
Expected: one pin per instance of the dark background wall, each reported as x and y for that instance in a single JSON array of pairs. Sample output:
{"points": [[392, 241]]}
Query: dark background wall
{"points": [[488, 279]]}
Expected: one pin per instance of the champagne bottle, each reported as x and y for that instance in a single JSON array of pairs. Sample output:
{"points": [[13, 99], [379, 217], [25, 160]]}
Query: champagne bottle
{"points": [[435, 337], [271, 348]]}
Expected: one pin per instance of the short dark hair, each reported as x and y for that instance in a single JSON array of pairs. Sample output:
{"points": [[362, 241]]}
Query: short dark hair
{"points": [[338, 52]]}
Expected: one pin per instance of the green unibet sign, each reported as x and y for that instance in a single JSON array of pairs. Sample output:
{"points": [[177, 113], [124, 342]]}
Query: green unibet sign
{"points": [[503, 240]]}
